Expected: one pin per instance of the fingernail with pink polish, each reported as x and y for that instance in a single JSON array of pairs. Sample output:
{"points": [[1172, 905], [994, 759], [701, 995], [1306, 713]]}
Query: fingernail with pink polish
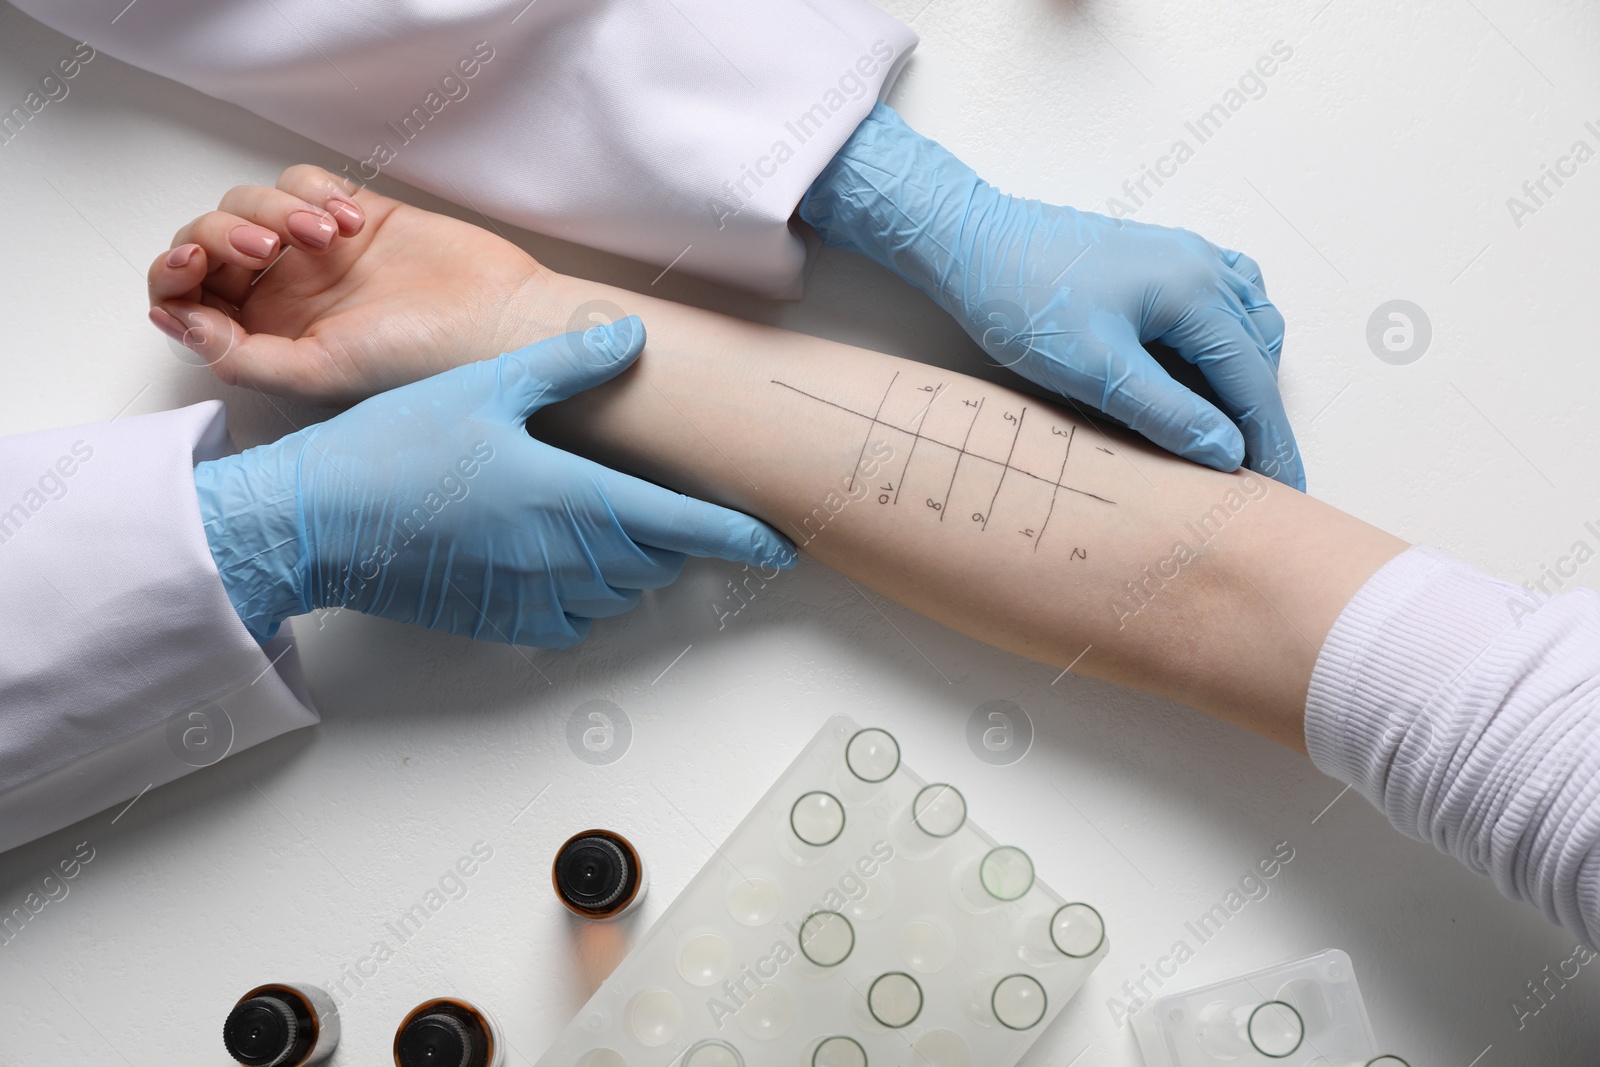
{"points": [[254, 241], [168, 325], [348, 212], [179, 257], [314, 230]]}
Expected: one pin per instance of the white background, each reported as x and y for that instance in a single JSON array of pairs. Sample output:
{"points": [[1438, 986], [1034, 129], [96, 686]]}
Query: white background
{"points": [[1376, 167]]}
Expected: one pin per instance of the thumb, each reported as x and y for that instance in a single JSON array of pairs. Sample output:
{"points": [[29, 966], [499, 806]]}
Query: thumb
{"points": [[556, 368]]}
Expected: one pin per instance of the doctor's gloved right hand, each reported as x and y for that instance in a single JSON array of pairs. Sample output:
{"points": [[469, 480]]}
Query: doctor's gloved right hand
{"points": [[1069, 298], [432, 505]]}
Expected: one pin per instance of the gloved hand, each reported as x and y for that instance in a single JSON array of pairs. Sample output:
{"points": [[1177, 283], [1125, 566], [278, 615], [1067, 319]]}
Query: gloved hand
{"points": [[432, 505], [1068, 298]]}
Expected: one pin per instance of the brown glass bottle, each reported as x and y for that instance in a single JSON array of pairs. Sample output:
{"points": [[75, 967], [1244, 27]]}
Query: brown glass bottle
{"points": [[282, 1025], [598, 875], [448, 1032]]}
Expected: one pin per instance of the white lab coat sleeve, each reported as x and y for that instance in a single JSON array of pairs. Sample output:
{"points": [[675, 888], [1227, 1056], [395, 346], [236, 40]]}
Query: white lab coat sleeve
{"points": [[122, 663], [678, 132], [1467, 709]]}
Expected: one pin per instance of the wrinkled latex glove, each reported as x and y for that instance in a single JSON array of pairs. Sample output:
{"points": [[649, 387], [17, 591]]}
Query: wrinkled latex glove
{"points": [[1068, 298], [432, 505]]}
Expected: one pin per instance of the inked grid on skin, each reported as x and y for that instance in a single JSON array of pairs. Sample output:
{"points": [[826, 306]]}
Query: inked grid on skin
{"points": [[914, 428]]}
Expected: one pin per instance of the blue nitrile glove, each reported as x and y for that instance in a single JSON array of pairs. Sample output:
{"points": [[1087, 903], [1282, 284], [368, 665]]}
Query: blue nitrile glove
{"points": [[1068, 298], [432, 505]]}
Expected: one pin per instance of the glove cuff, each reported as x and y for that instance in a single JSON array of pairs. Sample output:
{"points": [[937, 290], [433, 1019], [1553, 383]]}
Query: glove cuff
{"points": [[250, 506], [903, 201]]}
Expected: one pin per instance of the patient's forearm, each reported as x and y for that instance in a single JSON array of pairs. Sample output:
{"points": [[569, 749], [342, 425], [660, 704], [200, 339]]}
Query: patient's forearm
{"points": [[1002, 516]]}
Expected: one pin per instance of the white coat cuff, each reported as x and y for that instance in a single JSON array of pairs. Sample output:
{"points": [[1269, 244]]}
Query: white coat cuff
{"points": [[126, 666]]}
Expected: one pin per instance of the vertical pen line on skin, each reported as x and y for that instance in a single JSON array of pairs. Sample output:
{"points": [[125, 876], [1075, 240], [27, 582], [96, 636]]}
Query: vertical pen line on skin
{"points": [[945, 506], [1089, 422], [851, 484], [1054, 493], [916, 438], [1005, 470]]}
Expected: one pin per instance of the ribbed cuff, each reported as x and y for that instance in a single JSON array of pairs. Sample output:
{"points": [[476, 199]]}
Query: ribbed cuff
{"points": [[1402, 640], [1467, 710]]}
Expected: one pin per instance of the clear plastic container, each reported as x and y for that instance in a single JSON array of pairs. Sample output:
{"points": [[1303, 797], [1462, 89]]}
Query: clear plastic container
{"points": [[1303, 1013], [858, 916]]}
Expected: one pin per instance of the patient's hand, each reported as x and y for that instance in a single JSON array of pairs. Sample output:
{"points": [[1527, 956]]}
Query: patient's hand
{"points": [[328, 297]]}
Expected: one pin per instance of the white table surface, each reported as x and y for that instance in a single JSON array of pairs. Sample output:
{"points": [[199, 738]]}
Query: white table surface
{"points": [[1376, 167]]}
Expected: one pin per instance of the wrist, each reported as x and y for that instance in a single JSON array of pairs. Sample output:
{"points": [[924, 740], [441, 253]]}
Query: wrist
{"points": [[546, 304], [250, 509]]}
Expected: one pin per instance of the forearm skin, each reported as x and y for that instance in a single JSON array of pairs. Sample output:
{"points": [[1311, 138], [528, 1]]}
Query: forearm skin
{"points": [[1004, 517]]}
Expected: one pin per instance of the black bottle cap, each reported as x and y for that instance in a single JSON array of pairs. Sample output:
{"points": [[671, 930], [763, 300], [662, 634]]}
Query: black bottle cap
{"points": [[593, 873], [260, 1032], [436, 1040]]}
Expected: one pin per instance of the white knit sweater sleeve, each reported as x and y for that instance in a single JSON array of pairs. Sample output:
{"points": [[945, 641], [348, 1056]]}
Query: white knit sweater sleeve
{"points": [[1467, 710]]}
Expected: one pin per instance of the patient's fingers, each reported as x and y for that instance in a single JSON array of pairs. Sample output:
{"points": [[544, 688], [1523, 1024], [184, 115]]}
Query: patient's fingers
{"points": [[297, 222], [297, 369], [177, 271], [187, 271], [313, 185], [228, 238], [236, 246]]}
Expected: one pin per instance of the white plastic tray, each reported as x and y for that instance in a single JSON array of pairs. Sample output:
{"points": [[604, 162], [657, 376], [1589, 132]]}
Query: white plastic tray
{"points": [[726, 978], [1211, 1026]]}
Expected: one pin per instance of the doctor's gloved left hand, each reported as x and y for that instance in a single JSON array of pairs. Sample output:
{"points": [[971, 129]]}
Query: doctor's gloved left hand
{"points": [[1069, 298], [432, 505]]}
